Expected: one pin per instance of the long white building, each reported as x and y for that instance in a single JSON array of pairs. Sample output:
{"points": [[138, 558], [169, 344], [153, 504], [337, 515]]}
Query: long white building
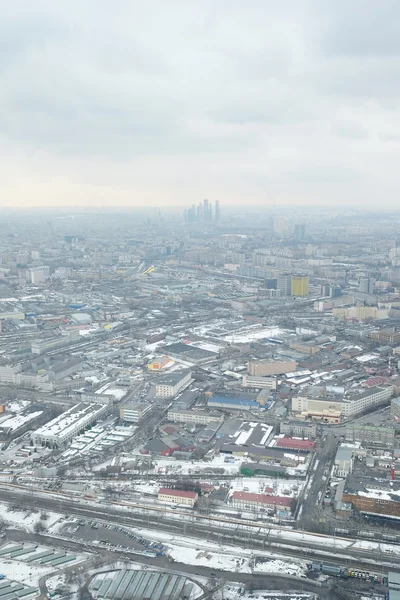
{"points": [[61, 430]]}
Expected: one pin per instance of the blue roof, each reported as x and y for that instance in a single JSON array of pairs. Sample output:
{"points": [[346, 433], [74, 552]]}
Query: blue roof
{"points": [[236, 401]]}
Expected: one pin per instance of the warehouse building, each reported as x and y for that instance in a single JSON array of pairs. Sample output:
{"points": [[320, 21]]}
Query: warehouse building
{"points": [[61, 430], [370, 495], [238, 401], [260, 368]]}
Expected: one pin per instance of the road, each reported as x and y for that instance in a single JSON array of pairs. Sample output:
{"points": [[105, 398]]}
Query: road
{"points": [[314, 493], [267, 582]]}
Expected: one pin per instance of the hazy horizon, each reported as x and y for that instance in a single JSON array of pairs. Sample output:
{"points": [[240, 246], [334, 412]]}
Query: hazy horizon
{"points": [[165, 104]]}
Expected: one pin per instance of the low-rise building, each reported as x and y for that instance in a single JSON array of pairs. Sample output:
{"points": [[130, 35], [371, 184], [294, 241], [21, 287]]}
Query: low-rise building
{"points": [[245, 500], [250, 381], [293, 444], [328, 410], [343, 461], [260, 368], [373, 496], [370, 435], [395, 408], [195, 417], [178, 496], [64, 368], [358, 403], [134, 413], [303, 429], [61, 430], [170, 385]]}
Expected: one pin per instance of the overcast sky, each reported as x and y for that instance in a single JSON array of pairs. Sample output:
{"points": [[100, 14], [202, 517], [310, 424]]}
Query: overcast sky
{"points": [[169, 102]]}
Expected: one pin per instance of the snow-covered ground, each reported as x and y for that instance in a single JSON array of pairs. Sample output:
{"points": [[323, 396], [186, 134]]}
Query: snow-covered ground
{"points": [[279, 566], [255, 333], [215, 560], [27, 519], [26, 573]]}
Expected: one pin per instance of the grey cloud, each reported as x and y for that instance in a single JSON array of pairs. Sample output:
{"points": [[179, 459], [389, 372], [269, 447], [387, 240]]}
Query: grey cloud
{"points": [[280, 84], [362, 28]]}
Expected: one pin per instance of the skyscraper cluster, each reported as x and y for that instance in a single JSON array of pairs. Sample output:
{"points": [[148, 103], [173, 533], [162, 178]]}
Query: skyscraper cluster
{"points": [[203, 213]]}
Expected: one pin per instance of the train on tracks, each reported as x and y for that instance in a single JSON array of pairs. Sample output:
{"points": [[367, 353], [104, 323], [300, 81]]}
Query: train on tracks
{"points": [[345, 572]]}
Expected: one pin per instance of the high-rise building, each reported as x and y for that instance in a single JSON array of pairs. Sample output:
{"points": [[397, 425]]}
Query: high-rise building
{"points": [[299, 232], [217, 212], [300, 285], [39, 274], [336, 291], [326, 289], [285, 284], [205, 210], [366, 285]]}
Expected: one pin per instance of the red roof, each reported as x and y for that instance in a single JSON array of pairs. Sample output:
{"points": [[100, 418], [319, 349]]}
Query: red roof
{"points": [[294, 444], [262, 499], [177, 493]]}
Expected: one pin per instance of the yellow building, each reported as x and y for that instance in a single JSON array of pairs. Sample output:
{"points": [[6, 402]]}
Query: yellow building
{"points": [[300, 285]]}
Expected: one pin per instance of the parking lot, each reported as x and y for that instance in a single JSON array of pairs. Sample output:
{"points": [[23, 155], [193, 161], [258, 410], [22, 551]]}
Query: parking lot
{"points": [[113, 536]]}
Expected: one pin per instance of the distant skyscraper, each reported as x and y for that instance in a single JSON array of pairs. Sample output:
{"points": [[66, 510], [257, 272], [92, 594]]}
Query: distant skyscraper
{"points": [[285, 284], [217, 212], [366, 285], [205, 210], [300, 285], [299, 232]]}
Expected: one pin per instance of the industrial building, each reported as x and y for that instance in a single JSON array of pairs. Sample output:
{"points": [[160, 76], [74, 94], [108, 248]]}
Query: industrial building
{"points": [[195, 417], [178, 496], [61, 430], [245, 500], [170, 385], [260, 368], [235, 401], [64, 368], [134, 413], [250, 381], [372, 495]]}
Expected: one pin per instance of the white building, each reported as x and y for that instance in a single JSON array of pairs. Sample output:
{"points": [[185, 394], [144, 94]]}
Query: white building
{"points": [[39, 274], [177, 496], [172, 384], [251, 381], [61, 430], [134, 413], [197, 417], [357, 404]]}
